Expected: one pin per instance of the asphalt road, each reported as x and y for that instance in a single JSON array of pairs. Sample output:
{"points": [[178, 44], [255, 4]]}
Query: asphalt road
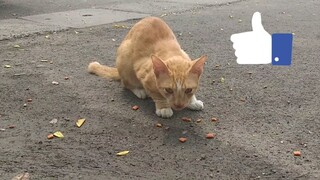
{"points": [[264, 112]]}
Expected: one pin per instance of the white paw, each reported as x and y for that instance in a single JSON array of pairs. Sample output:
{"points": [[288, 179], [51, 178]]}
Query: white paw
{"points": [[92, 66], [196, 105], [164, 113], [140, 93]]}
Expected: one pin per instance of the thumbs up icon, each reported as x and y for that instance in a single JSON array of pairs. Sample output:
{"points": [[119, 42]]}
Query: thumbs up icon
{"points": [[259, 47]]}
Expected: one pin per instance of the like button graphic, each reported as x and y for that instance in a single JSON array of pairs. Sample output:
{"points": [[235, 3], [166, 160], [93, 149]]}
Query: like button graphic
{"points": [[259, 47]]}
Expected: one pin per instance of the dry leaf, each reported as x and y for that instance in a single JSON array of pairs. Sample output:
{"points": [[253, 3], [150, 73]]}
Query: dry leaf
{"points": [[122, 153], [58, 134], [162, 15], [222, 79], [80, 122], [23, 176]]}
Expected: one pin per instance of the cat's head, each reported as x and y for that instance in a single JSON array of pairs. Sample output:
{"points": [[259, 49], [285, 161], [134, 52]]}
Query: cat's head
{"points": [[178, 79]]}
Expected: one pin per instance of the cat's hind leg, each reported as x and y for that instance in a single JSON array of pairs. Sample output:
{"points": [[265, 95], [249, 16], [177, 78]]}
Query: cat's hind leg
{"points": [[140, 93], [195, 104]]}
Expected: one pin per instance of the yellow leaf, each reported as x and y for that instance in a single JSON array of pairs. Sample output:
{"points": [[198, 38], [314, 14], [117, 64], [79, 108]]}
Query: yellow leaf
{"points": [[222, 80], [122, 153], [80, 122], [58, 134]]}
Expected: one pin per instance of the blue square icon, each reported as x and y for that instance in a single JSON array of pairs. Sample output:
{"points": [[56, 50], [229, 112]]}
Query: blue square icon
{"points": [[282, 49]]}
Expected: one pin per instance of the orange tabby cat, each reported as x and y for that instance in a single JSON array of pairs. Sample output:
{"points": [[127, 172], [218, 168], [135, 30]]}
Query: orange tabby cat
{"points": [[150, 62]]}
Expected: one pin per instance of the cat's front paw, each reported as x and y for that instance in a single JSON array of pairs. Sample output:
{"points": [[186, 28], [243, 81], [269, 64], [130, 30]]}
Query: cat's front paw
{"points": [[164, 113], [196, 105]]}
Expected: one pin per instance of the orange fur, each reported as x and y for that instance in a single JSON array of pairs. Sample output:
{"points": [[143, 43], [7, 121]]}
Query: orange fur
{"points": [[150, 62]]}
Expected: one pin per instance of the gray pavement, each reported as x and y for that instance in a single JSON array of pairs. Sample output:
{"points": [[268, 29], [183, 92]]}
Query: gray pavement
{"points": [[264, 112]]}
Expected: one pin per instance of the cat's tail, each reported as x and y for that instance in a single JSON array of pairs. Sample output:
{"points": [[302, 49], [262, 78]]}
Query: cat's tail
{"points": [[104, 71]]}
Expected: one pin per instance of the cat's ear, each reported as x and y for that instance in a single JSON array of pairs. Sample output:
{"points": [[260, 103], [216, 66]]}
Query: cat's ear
{"points": [[158, 66], [197, 67]]}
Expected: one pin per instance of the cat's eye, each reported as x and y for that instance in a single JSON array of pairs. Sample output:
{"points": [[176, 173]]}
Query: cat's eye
{"points": [[188, 91], [169, 90]]}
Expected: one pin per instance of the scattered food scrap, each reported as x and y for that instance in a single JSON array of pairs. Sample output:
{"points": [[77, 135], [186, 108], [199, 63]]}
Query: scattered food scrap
{"points": [[159, 125], [186, 119], [58, 134], [80, 122], [183, 139], [214, 119], [297, 153], [210, 135], [135, 107], [50, 136], [122, 153]]}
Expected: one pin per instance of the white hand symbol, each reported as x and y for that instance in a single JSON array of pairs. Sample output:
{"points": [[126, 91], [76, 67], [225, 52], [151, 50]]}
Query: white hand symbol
{"points": [[253, 47]]}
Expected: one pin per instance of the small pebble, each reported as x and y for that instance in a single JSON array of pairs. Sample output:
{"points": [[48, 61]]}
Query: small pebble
{"points": [[199, 120], [53, 121], [55, 82], [66, 78], [29, 100], [159, 125], [25, 105]]}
